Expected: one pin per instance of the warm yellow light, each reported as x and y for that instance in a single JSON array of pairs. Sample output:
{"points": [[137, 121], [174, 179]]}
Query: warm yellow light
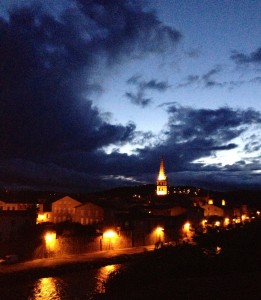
{"points": [[161, 177], [223, 202], [50, 238], [109, 234], [186, 226], [103, 274], [47, 288], [258, 213], [217, 223], [159, 229], [226, 221], [218, 250], [162, 192], [159, 234], [210, 201], [204, 222], [40, 218]]}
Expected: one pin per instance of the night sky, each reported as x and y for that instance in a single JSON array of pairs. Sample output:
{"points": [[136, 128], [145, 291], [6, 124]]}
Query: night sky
{"points": [[93, 93]]}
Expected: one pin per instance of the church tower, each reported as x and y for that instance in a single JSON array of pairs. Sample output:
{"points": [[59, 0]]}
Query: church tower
{"points": [[162, 182]]}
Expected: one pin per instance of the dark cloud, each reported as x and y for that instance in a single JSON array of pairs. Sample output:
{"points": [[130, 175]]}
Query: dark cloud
{"points": [[191, 134], [138, 98], [47, 58], [52, 134], [253, 145], [252, 58], [206, 80], [222, 124], [142, 86], [189, 80]]}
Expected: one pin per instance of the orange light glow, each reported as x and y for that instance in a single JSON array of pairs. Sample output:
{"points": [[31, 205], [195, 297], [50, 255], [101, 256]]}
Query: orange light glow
{"points": [[103, 274], [40, 218], [217, 223], [109, 234], [162, 184], [159, 229], [50, 238], [226, 222], [204, 222], [159, 234], [186, 227], [47, 288], [210, 201]]}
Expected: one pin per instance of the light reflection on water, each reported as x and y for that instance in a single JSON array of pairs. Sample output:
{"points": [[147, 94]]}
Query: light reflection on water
{"points": [[82, 284], [103, 275], [47, 288]]}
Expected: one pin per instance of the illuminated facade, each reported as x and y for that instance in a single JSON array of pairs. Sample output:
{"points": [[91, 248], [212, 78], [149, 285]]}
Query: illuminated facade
{"points": [[64, 209], [89, 214], [162, 182]]}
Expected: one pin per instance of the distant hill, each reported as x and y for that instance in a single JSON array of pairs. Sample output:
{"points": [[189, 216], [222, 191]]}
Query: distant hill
{"points": [[134, 193]]}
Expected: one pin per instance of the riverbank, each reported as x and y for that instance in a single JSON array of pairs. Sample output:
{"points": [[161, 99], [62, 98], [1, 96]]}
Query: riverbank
{"points": [[47, 267], [187, 272]]}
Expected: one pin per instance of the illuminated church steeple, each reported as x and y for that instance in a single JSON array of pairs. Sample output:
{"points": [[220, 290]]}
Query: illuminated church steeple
{"points": [[162, 182]]}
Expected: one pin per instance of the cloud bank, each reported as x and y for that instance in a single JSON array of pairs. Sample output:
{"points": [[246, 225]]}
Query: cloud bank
{"points": [[52, 133], [139, 96]]}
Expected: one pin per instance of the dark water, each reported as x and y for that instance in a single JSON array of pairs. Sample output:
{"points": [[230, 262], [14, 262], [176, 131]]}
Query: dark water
{"points": [[76, 285]]}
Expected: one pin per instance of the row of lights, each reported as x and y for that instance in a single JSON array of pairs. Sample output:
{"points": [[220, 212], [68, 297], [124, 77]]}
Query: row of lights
{"points": [[227, 221], [110, 234]]}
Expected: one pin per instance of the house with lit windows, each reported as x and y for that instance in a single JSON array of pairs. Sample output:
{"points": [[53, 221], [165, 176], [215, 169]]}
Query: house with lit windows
{"points": [[89, 214], [8, 205], [64, 209]]}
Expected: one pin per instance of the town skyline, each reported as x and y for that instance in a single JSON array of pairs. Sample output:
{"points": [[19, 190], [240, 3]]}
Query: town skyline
{"points": [[92, 94]]}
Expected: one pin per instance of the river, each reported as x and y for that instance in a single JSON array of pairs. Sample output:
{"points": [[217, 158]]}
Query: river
{"points": [[70, 286]]}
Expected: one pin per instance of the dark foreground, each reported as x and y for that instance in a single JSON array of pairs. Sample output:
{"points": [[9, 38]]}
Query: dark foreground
{"points": [[180, 272], [185, 275], [225, 264]]}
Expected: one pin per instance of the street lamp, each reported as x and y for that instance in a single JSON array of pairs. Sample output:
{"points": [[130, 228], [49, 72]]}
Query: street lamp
{"points": [[110, 235], [159, 231], [186, 227], [50, 238], [187, 234]]}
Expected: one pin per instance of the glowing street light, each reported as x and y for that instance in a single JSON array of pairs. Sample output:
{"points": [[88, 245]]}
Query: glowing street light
{"points": [[217, 223], [186, 227], [187, 232], [226, 222], [159, 230], [159, 236], [110, 235], [50, 238], [204, 222]]}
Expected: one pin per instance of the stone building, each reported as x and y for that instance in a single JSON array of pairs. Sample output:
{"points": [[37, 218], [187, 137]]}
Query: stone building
{"points": [[64, 209], [89, 214]]}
